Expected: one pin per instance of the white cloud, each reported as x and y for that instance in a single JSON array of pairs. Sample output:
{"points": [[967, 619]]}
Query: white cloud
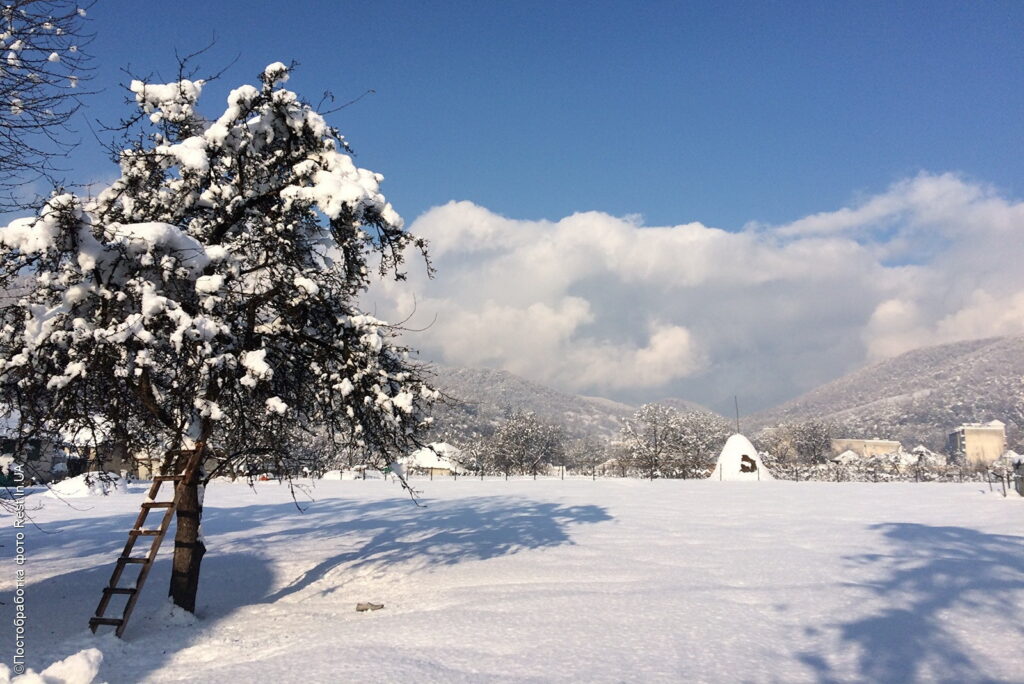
{"points": [[598, 304]]}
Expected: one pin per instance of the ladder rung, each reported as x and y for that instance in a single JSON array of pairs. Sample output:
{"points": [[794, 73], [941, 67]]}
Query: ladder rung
{"points": [[112, 588]]}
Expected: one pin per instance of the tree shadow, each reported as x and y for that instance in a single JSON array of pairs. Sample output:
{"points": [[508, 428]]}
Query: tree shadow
{"points": [[928, 572], [238, 571], [59, 607], [396, 533]]}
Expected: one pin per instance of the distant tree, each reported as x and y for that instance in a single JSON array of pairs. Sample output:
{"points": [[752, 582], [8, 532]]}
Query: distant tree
{"points": [[524, 441], [812, 440], [584, 454], [477, 453], [776, 447], [617, 458], [474, 448], [652, 438], [701, 436], [43, 64], [207, 300]]}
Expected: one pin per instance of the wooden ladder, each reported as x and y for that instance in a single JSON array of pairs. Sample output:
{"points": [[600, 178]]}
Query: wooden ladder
{"points": [[139, 530]]}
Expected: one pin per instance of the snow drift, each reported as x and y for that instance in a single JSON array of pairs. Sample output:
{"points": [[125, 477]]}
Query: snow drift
{"points": [[89, 484]]}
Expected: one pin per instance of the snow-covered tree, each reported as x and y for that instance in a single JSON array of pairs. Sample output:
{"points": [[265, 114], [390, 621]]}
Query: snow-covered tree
{"points": [[701, 436], [776, 449], [207, 299], [524, 441], [42, 66], [662, 442], [812, 440], [585, 454], [652, 438]]}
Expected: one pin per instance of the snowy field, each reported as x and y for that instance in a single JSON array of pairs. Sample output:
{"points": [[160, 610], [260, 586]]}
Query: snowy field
{"points": [[574, 581]]}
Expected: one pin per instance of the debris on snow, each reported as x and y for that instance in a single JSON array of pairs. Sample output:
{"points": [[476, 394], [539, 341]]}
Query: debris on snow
{"points": [[366, 607]]}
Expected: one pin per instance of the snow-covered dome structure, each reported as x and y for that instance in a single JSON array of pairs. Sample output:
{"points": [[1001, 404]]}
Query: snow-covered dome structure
{"points": [[739, 461]]}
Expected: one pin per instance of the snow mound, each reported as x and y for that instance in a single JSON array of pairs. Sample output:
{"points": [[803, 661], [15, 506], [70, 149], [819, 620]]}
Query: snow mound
{"points": [[80, 668], [739, 461], [89, 484], [176, 615]]}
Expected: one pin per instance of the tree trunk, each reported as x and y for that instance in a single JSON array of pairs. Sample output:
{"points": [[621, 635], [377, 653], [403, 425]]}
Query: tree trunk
{"points": [[188, 547]]}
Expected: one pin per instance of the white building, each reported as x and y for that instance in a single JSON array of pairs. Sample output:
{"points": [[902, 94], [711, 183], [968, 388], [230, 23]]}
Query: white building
{"points": [[979, 443]]}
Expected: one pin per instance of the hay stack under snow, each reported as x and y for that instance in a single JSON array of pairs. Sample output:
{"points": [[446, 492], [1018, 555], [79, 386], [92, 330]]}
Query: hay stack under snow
{"points": [[739, 461]]}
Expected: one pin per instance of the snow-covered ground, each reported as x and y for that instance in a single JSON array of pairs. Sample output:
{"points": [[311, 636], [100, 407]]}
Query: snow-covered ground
{"points": [[549, 580]]}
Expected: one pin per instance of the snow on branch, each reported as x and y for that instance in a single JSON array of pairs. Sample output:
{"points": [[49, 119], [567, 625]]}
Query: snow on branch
{"points": [[42, 62]]}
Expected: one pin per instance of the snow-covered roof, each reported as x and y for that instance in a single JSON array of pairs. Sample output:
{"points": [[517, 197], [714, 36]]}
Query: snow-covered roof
{"points": [[848, 456], [739, 461], [905, 458], [84, 437], [1013, 457], [994, 424], [439, 456]]}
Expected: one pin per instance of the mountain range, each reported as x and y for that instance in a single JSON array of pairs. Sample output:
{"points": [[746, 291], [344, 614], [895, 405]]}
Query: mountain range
{"points": [[477, 399], [917, 397]]}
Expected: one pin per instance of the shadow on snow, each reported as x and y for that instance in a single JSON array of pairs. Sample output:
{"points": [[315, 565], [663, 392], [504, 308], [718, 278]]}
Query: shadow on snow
{"points": [[927, 572], [238, 569]]}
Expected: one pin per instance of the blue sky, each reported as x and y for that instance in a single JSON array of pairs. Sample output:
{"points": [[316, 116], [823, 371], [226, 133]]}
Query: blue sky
{"points": [[642, 199], [719, 112]]}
